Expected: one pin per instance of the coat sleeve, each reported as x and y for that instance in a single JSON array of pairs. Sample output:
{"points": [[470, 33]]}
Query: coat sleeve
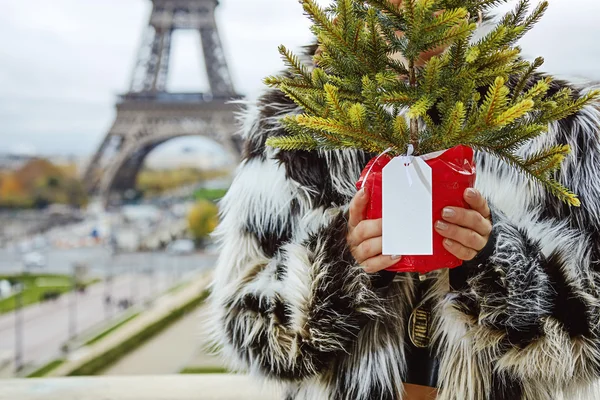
{"points": [[530, 299], [287, 295]]}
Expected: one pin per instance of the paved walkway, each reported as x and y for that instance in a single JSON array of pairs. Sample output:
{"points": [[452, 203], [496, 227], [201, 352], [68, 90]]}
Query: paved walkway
{"points": [[162, 307], [169, 352], [46, 325]]}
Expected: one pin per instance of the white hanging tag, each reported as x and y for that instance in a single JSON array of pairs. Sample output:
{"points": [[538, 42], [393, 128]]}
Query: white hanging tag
{"points": [[407, 207]]}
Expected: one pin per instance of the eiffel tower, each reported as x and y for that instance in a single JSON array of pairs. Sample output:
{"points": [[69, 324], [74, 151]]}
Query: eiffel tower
{"points": [[148, 115]]}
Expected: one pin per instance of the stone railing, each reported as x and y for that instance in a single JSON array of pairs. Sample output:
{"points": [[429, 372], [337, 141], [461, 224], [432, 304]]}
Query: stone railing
{"points": [[168, 387]]}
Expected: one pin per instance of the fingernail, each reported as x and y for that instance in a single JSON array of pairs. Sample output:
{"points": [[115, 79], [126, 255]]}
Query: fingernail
{"points": [[448, 213], [448, 242], [471, 192], [361, 192], [441, 225], [396, 257]]}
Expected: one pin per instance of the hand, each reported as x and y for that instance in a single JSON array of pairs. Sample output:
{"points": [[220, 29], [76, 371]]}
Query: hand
{"points": [[364, 237], [466, 231]]}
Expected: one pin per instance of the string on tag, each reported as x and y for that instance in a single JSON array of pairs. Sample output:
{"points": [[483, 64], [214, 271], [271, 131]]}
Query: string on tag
{"points": [[407, 160], [371, 167]]}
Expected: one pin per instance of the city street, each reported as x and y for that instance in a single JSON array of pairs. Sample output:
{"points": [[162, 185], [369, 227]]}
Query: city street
{"points": [[137, 276]]}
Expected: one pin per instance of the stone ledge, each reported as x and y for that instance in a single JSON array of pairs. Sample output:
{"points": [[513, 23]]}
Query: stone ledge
{"points": [[168, 387]]}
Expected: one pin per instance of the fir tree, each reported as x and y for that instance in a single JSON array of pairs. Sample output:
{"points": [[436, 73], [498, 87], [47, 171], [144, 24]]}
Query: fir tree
{"points": [[370, 91]]}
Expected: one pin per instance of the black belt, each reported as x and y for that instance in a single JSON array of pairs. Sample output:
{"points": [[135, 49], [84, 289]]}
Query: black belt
{"points": [[422, 366]]}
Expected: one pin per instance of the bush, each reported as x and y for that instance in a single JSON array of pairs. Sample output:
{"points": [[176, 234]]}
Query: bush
{"points": [[202, 219]]}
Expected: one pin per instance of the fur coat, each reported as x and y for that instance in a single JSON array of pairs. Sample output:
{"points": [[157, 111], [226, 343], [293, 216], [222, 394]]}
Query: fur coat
{"points": [[289, 302]]}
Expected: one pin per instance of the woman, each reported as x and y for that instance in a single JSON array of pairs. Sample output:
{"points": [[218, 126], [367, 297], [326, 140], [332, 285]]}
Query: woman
{"points": [[301, 295]]}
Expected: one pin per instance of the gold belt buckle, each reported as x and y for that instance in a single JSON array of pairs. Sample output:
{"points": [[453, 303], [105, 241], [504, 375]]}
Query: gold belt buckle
{"points": [[419, 326]]}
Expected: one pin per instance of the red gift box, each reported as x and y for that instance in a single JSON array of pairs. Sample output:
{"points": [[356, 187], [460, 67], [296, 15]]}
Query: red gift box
{"points": [[453, 171]]}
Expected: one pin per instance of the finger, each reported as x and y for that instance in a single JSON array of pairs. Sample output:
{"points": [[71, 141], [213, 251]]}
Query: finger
{"points": [[470, 219], [461, 252], [357, 208], [467, 237], [477, 202], [378, 263], [367, 249], [366, 229]]}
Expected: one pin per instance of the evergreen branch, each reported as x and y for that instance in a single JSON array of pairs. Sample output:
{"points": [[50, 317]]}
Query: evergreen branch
{"points": [[562, 193], [517, 16], [401, 133], [501, 58], [277, 81], [296, 142], [432, 74], [363, 137], [454, 122], [577, 105], [319, 78], [363, 96], [512, 138], [357, 34], [398, 98], [333, 33], [357, 114], [274, 81], [423, 8], [387, 79], [376, 48], [486, 4], [409, 13], [420, 107], [446, 18], [343, 19], [513, 113], [398, 67], [488, 42], [293, 62], [292, 125], [495, 101], [388, 7], [539, 90], [540, 158], [455, 33], [534, 18], [379, 116], [333, 101], [558, 190], [301, 99], [526, 76]]}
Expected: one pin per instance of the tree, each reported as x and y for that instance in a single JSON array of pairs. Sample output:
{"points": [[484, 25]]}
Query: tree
{"points": [[10, 187], [203, 219], [370, 89], [38, 184]]}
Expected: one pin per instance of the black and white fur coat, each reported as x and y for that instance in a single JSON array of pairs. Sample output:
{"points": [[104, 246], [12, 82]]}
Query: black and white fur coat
{"points": [[289, 302]]}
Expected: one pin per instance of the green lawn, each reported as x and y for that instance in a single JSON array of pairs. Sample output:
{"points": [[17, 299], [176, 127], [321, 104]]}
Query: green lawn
{"points": [[203, 370], [177, 288], [46, 369], [209, 194], [110, 330], [35, 285]]}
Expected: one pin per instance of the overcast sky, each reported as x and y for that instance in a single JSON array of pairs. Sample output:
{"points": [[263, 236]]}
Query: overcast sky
{"points": [[62, 62]]}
